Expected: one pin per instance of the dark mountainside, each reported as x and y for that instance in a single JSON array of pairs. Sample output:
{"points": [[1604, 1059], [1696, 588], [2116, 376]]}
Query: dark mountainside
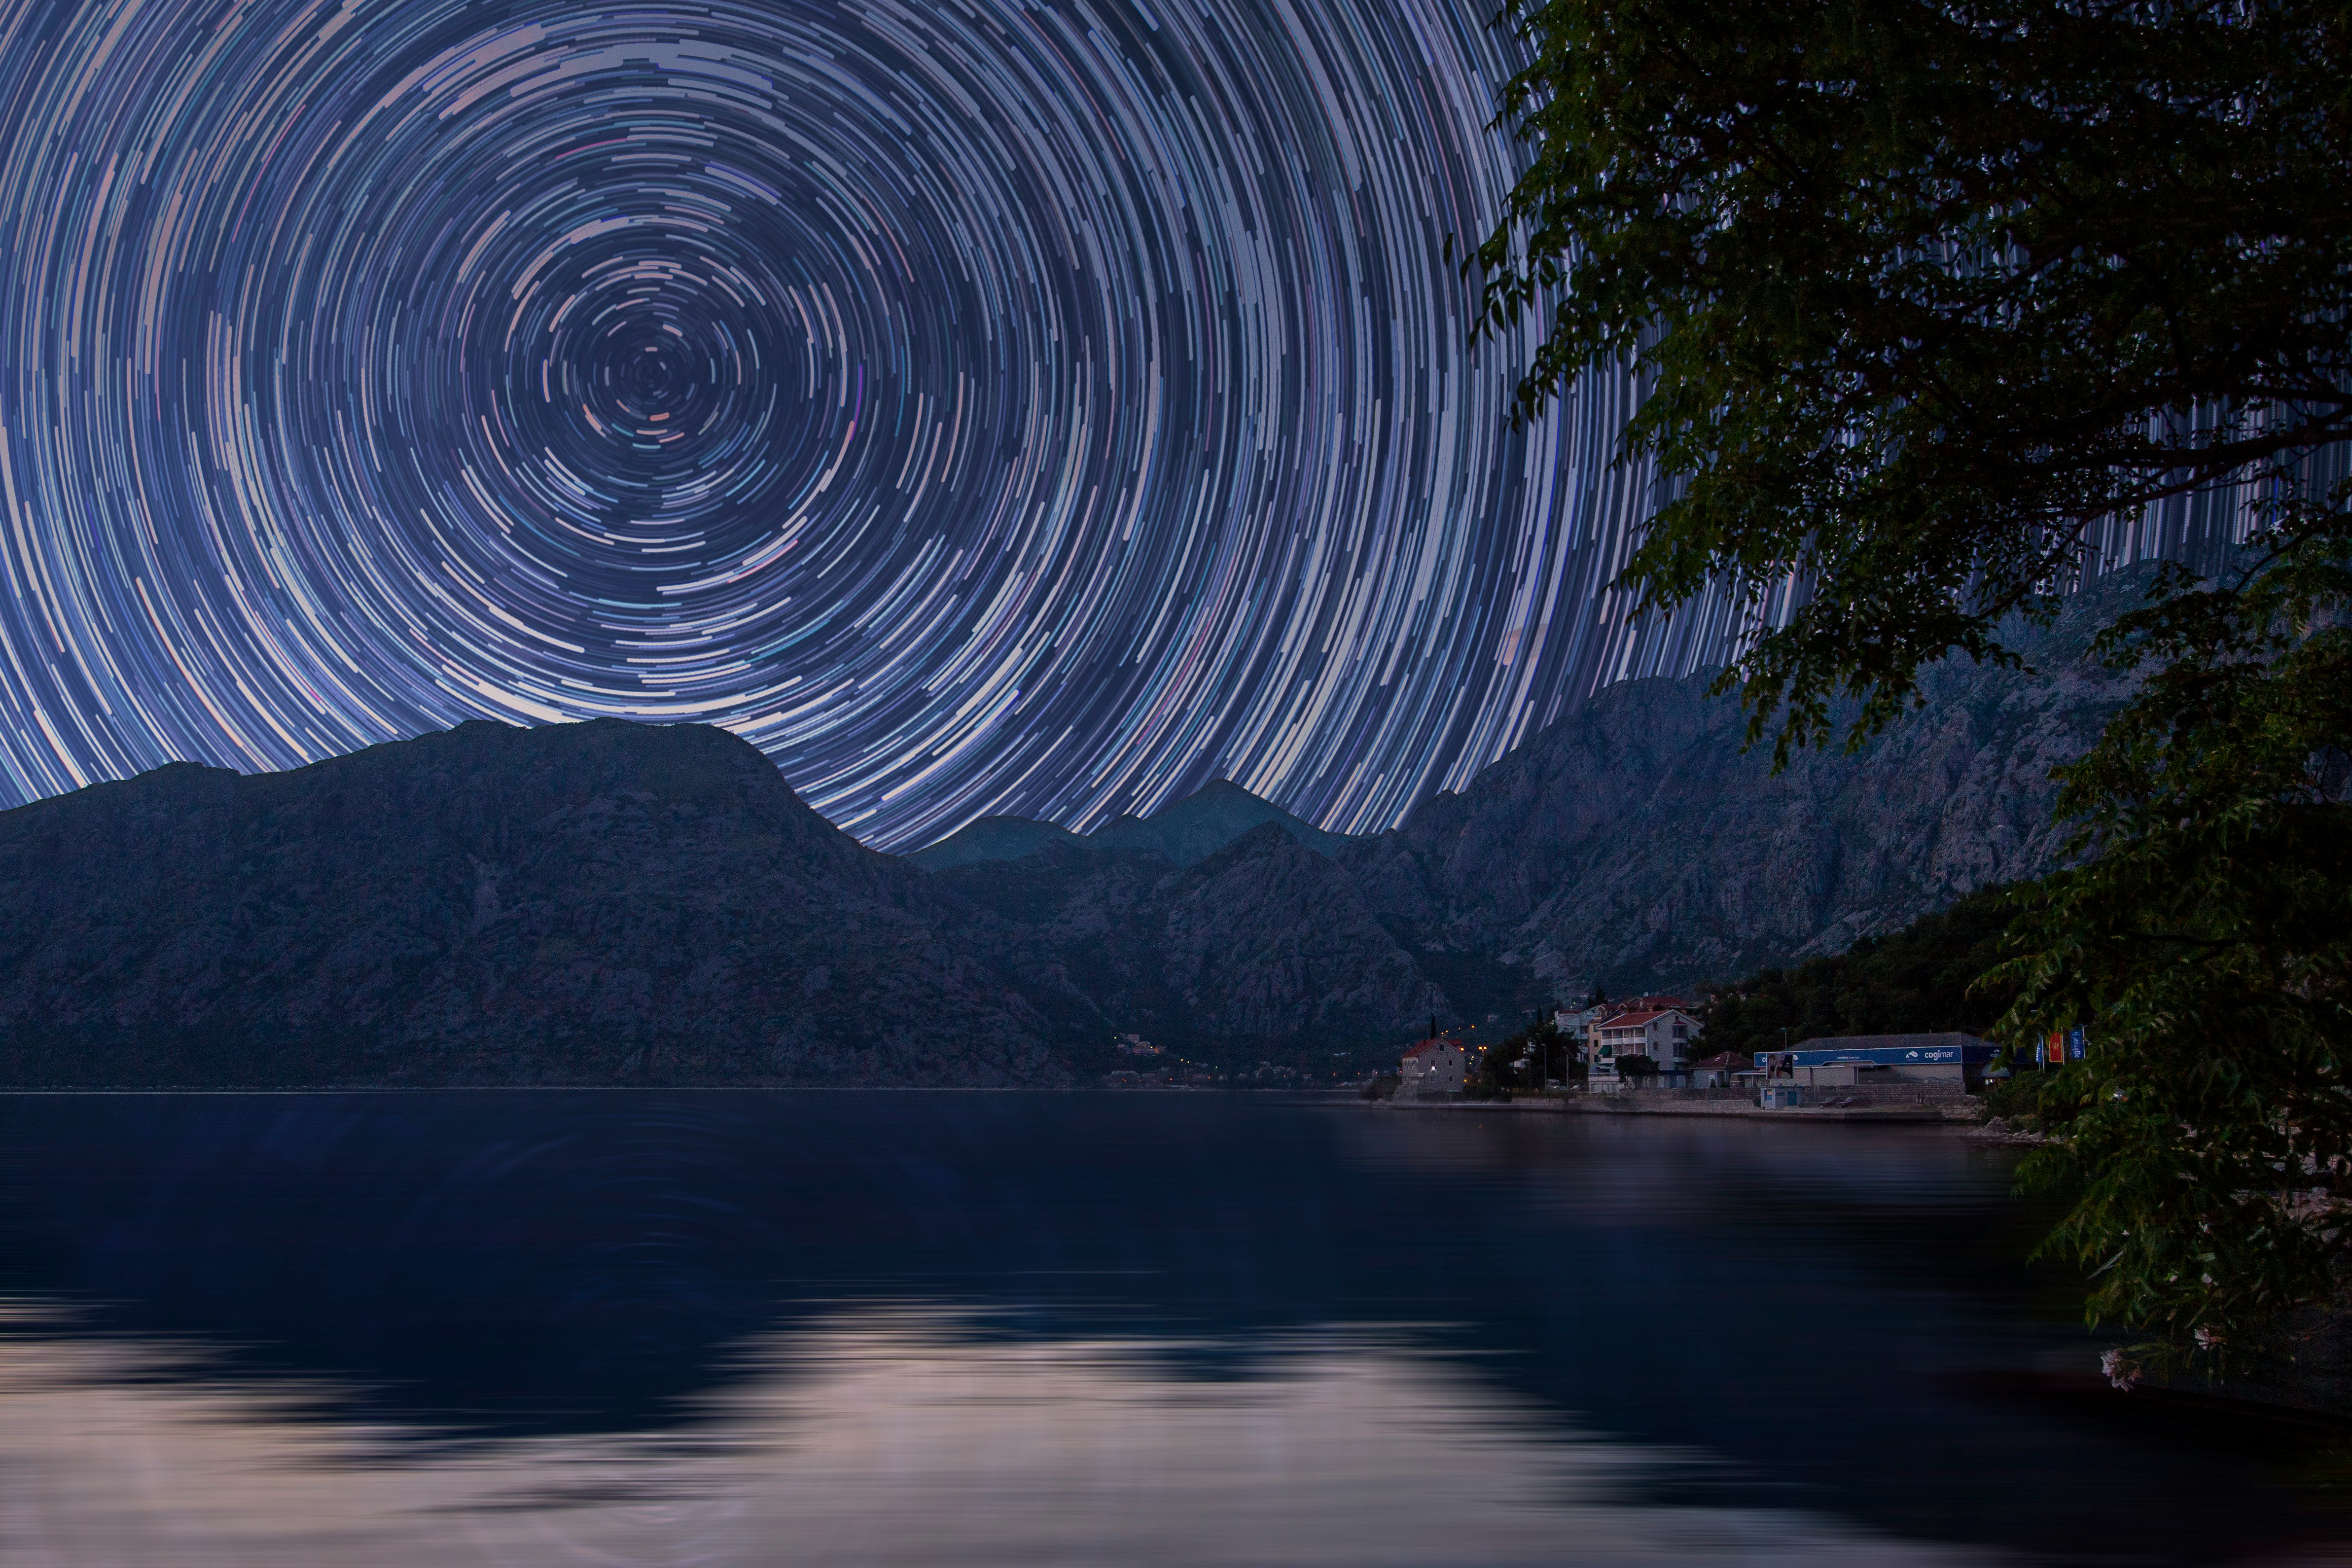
{"points": [[587, 903], [1186, 831], [992, 839], [1920, 980], [609, 902], [1635, 843], [1262, 945]]}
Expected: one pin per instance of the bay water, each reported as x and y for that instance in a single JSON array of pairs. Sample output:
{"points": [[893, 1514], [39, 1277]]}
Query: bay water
{"points": [[436, 1330]]}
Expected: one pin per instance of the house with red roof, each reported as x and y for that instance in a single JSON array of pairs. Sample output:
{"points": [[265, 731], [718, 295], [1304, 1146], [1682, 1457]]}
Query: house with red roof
{"points": [[1432, 1068], [1653, 1003], [1664, 1035], [1576, 1024]]}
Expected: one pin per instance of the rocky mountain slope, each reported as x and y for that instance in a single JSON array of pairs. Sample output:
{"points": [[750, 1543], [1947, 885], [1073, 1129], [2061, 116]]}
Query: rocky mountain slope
{"points": [[1636, 843], [993, 838], [585, 903]]}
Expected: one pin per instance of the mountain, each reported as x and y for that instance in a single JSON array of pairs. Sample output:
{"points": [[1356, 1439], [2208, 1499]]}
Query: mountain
{"points": [[1264, 945], [1192, 829], [599, 902], [1185, 831], [1635, 842]]}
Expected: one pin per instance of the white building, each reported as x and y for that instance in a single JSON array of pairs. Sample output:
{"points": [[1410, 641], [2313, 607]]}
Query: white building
{"points": [[1664, 1035], [1576, 1023], [1431, 1068], [1573, 1022]]}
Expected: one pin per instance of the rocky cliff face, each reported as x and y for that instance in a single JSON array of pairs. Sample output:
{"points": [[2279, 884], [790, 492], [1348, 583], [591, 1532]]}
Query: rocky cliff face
{"points": [[593, 902], [1635, 842]]}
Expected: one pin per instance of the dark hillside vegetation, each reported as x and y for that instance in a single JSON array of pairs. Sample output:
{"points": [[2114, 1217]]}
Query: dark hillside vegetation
{"points": [[1920, 980], [603, 903]]}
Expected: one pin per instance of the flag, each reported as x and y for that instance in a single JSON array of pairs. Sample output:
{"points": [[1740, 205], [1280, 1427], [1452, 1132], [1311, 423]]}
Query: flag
{"points": [[2077, 1043], [2057, 1046]]}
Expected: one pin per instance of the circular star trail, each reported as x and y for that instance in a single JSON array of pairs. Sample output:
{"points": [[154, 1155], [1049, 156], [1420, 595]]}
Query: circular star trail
{"points": [[985, 406]]}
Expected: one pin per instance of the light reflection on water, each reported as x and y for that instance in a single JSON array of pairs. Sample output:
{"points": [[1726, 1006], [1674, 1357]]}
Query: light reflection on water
{"points": [[445, 1329], [884, 1435]]}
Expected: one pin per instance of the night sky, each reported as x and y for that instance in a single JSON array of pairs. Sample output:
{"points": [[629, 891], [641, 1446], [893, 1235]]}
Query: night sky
{"points": [[979, 407]]}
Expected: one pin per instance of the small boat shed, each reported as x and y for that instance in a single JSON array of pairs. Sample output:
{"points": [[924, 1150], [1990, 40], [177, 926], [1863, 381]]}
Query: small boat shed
{"points": [[1847, 1061]]}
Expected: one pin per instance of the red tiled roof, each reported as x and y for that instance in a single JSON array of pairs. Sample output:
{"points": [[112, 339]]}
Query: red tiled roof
{"points": [[1428, 1045], [1630, 1020]]}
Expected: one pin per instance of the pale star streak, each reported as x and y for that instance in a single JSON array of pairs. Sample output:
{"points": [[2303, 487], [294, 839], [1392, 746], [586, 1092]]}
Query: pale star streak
{"points": [[1037, 408]]}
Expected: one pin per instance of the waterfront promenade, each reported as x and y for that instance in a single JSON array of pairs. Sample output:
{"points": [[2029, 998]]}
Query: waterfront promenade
{"points": [[1955, 1109]]}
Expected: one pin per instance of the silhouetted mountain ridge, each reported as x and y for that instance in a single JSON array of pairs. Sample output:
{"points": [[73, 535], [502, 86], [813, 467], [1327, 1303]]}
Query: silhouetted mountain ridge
{"points": [[1264, 942], [1638, 843], [579, 903], [612, 902]]}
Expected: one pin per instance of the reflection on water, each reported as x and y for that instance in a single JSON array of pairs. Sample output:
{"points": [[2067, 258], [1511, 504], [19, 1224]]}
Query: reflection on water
{"points": [[891, 1436], [934, 1328]]}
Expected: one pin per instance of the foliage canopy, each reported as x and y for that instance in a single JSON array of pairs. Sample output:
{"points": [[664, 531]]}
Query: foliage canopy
{"points": [[2207, 1138], [1919, 290]]}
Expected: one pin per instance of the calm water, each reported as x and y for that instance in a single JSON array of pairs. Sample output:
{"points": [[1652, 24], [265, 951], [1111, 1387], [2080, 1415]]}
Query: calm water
{"points": [[994, 1329]]}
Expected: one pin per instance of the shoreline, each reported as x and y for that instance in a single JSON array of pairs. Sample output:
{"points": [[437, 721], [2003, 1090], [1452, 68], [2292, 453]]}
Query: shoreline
{"points": [[1965, 1115]]}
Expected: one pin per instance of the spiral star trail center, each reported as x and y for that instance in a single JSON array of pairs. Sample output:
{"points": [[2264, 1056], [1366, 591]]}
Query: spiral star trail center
{"points": [[1036, 408]]}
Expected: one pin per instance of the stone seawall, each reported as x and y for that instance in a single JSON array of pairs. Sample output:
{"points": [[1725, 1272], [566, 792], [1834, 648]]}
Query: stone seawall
{"points": [[1954, 1109]]}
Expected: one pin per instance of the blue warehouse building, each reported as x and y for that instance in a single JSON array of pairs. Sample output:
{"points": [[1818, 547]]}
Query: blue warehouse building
{"points": [[1844, 1061]]}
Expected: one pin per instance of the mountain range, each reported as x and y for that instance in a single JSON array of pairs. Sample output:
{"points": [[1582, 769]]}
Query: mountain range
{"points": [[607, 903]]}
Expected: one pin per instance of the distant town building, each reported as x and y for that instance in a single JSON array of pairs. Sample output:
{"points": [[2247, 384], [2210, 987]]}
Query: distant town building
{"points": [[1136, 1046], [1572, 1022], [1715, 1071], [1655, 1005], [1664, 1035], [1576, 1023], [1431, 1068]]}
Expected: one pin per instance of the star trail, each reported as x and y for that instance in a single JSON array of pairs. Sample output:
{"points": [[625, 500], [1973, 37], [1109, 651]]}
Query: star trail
{"points": [[978, 406]]}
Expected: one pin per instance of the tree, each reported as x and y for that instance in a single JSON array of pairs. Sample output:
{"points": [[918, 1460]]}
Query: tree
{"points": [[1920, 293], [2207, 1133], [1919, 296], [1536, 1044]]}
